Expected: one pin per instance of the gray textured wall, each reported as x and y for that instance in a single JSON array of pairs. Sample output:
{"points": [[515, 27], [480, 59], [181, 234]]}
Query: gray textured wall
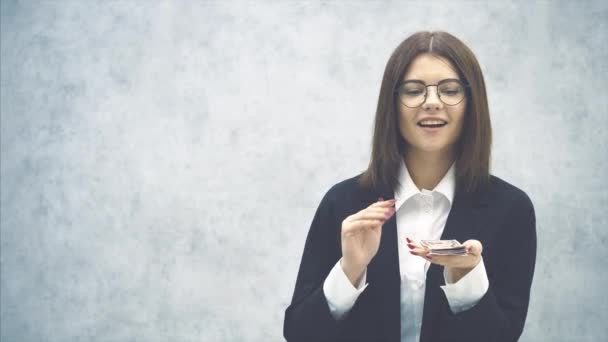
{"points": [[149, 151]]}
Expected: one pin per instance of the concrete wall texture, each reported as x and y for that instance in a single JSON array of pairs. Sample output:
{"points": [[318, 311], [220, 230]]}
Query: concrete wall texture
{"points": [[149, 151]]}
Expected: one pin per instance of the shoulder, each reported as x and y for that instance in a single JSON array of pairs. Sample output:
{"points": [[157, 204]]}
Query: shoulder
{"points": [[347, 194], [509, 216], [501, 192], [348, 188]]}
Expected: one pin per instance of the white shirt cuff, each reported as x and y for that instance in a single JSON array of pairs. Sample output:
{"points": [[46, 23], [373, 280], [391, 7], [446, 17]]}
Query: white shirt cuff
{"points": [[340, 293], [466, 292]]}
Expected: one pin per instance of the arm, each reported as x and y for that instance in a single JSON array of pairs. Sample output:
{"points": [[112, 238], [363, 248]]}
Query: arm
{"points": [[466, 292], [340, 293], [501, 312], [308, 317]]}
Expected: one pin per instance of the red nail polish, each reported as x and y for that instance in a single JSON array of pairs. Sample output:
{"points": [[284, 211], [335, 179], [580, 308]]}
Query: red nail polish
{"points": [[412, 253], [408, 239]]}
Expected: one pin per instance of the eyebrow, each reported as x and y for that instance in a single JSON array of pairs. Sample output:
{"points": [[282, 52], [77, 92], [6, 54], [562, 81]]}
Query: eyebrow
{"points": [[421, 81]]}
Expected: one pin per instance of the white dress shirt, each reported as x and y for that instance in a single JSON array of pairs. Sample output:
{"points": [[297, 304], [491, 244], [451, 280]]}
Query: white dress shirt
{"points": [[421, 215]]}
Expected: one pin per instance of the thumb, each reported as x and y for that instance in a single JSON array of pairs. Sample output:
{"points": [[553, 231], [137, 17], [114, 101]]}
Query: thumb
{"points": [[473, 247]]}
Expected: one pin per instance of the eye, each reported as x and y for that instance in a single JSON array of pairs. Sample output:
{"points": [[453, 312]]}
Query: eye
{"points": [[413, 92], [451, 92]]}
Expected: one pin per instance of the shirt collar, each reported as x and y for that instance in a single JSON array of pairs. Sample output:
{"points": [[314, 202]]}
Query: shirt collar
{"points": [[406, 187]]}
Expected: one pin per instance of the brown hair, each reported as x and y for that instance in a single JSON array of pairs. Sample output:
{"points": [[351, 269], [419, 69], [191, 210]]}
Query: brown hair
{"points": [[474, 144]]}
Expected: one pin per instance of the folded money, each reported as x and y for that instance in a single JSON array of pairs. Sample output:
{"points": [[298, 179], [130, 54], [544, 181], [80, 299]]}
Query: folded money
{"points": [[444, 247]]}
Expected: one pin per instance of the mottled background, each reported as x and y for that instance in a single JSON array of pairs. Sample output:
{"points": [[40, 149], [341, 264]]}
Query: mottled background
{"points": [[149, 152]]}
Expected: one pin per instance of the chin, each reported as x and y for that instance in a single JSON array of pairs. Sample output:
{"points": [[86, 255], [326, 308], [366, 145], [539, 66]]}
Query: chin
{"points": [[431, 148]]}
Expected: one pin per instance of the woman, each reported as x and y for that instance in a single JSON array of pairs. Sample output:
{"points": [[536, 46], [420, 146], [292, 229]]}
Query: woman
{"points": [[364, 275]]}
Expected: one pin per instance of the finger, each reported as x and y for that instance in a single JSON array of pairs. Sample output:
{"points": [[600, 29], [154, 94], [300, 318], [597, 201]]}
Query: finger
{"points": [[360, 214], [380, 207], [418, 251], [374, 212], [473, 247], [378, 210], [421, 253], [382, 210], [387, 203], [414, 244], [383, 214], [450, 260]]}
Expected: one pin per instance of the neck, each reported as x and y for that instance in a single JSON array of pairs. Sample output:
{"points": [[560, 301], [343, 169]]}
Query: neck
{"points": [[427, 169]]}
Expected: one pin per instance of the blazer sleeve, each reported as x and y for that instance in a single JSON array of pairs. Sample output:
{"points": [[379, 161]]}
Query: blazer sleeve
{"points": [[501, 312], [308, 317]]}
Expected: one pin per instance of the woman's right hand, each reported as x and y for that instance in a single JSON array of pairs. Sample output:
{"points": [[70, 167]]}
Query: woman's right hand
{"points": [[361, 234]]}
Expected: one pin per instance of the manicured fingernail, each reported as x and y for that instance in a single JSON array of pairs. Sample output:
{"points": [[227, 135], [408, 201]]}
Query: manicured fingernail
{"points": [[408, 239], [412, 253], [410, 245]]}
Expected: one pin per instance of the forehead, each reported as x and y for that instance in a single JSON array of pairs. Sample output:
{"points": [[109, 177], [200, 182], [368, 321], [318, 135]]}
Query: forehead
{"points": [[430, 69]]}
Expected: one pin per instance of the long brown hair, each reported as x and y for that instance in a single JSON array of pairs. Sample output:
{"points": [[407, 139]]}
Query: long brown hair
{"points": [[474, 144]]}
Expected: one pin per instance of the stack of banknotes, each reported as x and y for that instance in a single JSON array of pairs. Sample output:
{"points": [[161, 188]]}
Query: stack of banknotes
{"points": [[444, 247]]}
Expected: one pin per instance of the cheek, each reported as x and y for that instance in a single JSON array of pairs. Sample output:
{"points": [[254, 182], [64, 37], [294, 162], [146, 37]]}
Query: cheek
{"points": [[406, 115], [457, 117], [406, 121]]}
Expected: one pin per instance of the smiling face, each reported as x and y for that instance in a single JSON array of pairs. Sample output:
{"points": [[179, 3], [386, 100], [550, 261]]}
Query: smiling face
{"points": [[431, 69]]}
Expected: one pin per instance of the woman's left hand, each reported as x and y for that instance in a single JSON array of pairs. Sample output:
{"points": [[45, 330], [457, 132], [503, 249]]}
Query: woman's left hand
{"points": [[460, 265]]}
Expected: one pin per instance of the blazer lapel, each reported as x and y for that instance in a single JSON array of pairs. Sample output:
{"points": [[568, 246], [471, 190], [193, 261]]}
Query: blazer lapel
{"points": [[462, 224], [383, 274]]}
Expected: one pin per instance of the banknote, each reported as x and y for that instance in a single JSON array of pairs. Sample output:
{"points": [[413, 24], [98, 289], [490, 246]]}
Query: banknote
{"points": [[444, 247]]}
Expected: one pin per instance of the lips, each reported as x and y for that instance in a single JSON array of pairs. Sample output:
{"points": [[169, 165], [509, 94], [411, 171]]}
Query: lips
{"points": [[432, 125], [431, 122]]}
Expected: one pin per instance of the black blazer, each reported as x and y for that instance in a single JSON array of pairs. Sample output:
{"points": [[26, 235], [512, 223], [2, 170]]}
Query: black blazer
{"points": [[501, 217]]}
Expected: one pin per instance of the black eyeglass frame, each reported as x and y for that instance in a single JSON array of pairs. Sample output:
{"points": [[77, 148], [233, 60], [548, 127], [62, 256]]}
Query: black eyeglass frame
{"points": [[464, 84]]}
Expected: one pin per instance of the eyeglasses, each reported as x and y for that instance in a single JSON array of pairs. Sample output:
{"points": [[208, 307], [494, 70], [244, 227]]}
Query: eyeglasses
{"points": [[413, 93]]}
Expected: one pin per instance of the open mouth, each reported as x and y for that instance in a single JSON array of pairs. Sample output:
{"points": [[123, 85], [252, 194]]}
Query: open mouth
{"points": [[432, 124]]}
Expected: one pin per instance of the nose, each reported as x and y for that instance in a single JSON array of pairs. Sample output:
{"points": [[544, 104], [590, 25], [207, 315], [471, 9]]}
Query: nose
{"points": [[432, 100]]}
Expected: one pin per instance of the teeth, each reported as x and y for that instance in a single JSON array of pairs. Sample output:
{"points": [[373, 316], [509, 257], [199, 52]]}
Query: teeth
{"points": [[432, 122]]}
